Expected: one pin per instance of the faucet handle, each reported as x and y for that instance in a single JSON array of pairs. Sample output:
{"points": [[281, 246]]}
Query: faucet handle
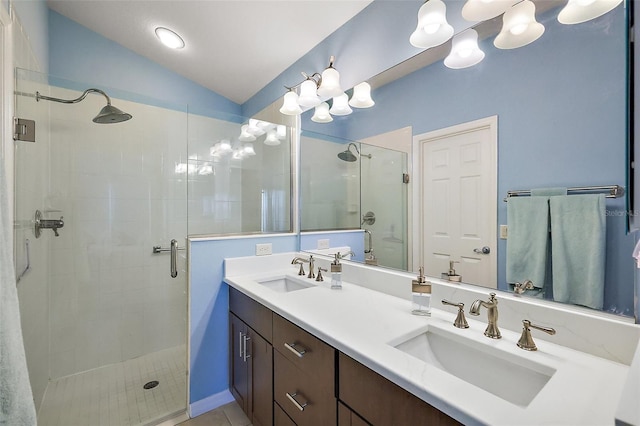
{"points": [[526, 340], [320, 271], [460, 321]]}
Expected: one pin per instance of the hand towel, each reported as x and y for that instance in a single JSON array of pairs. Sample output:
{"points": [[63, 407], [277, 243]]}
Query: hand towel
{"points": [[16, 399], [528, 241], [578, 243], [536, 192]]}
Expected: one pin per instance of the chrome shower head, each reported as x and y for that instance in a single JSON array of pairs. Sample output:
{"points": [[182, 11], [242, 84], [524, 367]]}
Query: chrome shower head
{"points": [[107, 115], [349, 156]]}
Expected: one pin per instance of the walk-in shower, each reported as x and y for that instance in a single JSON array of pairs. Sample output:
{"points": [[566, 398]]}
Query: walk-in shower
{"points": [[107, 115], [349, 156]]}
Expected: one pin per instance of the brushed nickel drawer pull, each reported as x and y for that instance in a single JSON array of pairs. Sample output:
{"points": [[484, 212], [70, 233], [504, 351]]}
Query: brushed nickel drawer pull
{"points": [[292, 348], [240, 345], [245, 356], [292, 398]]}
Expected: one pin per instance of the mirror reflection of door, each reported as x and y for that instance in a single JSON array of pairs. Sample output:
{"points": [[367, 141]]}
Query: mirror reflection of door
{"points": [[458, 200]]}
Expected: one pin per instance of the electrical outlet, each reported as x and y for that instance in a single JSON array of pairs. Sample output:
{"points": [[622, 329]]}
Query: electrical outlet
{"points": [[323, 244], [503, 232], [263, 249]]}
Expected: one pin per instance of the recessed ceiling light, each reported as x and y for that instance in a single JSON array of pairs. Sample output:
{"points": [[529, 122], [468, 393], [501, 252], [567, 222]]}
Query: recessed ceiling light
{"points": [[169, 38]]}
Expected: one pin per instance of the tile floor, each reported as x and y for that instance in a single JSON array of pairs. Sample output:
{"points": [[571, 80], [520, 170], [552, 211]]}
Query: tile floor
{"points": [[114, 395], [228, 415]]}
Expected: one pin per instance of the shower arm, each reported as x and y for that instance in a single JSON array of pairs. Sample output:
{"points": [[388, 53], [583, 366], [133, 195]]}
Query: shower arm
{"points": [[73, 101]]}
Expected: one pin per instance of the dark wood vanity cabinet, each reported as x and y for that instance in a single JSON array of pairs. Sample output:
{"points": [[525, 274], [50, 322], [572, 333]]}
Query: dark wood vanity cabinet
{"points": [[282, 375], [382, 402], [251, 360]]}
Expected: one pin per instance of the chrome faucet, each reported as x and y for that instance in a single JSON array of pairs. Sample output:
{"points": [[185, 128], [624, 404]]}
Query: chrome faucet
{"points": [[520, 288], [311, 266], [299, 261], [492, 330]]}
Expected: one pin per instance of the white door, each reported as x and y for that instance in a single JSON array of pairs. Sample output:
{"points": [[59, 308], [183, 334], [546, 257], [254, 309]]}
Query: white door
{"points": [[458, 200]]}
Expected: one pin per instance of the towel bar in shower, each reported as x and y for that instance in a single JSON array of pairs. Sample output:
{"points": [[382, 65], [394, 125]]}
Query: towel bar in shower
{"points": [[612, 191]]}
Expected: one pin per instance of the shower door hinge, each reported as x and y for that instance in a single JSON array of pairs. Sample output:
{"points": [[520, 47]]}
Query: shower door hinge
{"points": [[24, 130], [405, 178]]}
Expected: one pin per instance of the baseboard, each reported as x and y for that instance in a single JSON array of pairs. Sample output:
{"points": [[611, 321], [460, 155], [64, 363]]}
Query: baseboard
{"points": [[210, 403]]}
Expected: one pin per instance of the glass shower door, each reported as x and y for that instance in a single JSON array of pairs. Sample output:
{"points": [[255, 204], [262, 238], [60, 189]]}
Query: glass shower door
{"points": [[106, 323]]}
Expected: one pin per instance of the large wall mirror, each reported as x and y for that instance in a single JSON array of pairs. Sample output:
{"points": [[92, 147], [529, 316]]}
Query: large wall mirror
{"points": [[558, 110]]}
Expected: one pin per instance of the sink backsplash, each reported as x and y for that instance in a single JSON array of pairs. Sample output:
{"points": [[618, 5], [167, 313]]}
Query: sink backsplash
{"points": [[595, 333]]}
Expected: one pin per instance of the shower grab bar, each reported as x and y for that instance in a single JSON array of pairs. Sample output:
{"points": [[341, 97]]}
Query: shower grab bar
{"points": [[174, 256], [27, 268]]}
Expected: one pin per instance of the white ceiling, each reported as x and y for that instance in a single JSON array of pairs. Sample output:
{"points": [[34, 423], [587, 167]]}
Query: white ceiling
{"points": [[233, 47]]}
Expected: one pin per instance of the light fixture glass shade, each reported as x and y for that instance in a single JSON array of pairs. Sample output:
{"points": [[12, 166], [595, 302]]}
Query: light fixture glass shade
{"points": [[433, 28], [290, 104], [169, 38], [254, 129], [340, 105], [245, 136], [482, 10], [361, 97], [247, 149], [272, 138], [519, 27], [281, 131], [464, 50], [578, 11], [321, 114], [224, 146], [330, 83], [308, 94]]}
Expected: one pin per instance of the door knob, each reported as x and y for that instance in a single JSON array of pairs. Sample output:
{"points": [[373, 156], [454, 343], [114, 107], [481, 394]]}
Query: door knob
{"points": [[483, 250]]}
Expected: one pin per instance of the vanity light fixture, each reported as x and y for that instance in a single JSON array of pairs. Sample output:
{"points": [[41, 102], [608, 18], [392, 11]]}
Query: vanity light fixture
{"points": [[317, 88], [272, 138], [169, 38], [321, 114], [361, 97], [247, 149], [464, 50], [245, 136], [578, 11], [519, 27], [481, 10], [433, 28]]}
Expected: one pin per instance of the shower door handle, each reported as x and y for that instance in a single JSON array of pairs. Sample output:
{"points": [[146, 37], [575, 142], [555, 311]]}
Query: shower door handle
{"points": [[174, 258]]}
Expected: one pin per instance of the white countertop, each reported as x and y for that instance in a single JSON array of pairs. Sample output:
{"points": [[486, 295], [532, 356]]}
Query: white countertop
{"points": [[585, 389]]}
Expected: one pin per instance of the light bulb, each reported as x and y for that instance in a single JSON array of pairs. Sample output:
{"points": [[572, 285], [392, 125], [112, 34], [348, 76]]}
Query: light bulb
{"points": [[321, 114], [290, 104]]}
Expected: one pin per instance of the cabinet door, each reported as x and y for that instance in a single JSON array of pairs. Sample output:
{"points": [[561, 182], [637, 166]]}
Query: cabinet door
{"points": [[346, 417], [260, 357], [238, 367]]}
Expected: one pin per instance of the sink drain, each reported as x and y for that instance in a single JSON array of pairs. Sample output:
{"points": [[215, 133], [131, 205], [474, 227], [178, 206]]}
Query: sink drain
{"points": [[151, 385]]}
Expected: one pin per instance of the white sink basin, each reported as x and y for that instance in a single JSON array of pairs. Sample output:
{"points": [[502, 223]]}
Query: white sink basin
{"points": [[285, 284], [506, 375]]}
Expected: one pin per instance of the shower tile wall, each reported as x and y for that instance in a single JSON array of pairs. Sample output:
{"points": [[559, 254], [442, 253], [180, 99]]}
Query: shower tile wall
{"points": [[119, 193], [32, 290], [329, 187]]}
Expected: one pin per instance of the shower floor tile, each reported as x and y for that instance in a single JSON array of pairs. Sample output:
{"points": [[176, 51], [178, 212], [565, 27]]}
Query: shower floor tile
{"points": [[114, 395]]}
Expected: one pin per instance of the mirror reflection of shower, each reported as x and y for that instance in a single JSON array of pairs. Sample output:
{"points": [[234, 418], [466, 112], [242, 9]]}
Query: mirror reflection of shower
{"points": [[349, 156], [107, 115]]}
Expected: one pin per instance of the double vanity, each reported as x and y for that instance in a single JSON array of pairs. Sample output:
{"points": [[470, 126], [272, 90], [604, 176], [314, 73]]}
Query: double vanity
{"points": [[306, 354]]}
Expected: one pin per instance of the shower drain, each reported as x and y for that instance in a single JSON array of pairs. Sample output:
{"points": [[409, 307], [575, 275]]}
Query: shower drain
{"points": [[151, 385]]}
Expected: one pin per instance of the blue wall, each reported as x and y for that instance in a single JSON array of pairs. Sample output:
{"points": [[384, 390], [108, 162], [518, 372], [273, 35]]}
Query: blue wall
{"points": [[209, 315], [81, 55], [552, 132]]}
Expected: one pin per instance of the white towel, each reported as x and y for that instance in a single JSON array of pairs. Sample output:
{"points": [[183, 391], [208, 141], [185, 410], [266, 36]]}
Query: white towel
{"points": [[636, 254], [16, 399]]}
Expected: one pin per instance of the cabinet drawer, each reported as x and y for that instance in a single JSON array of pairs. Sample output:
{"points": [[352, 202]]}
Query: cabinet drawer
{"points": [[306, 400], [305, 351], [382, 402], [252, 313], [280, 418]]}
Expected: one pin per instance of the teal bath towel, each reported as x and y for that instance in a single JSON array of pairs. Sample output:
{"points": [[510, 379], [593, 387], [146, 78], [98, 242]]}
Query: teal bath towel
{"points": [[578, 242], [528, 240]]}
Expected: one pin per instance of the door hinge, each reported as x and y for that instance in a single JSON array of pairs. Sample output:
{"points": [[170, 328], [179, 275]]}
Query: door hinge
{"points": [[24, 130], [405, 178]]}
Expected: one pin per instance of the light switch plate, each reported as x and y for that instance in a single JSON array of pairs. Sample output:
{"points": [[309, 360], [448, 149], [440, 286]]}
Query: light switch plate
{"points": [[503, 232], [323, 244], [263, 249]]}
